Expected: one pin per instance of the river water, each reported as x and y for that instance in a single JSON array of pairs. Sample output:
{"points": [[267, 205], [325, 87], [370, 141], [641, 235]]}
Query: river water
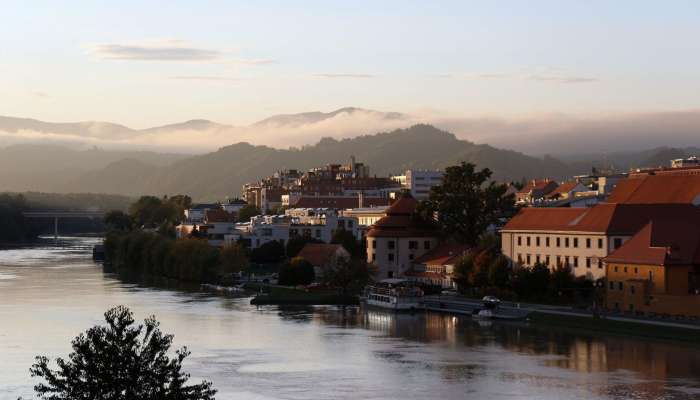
{"points": [[49, 293]]}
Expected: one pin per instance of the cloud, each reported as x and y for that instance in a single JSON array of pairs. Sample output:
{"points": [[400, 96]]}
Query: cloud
{"points": [[563, 79], [204, 78], [169, 50], [41, 95], [254, 61], [352, 76]]}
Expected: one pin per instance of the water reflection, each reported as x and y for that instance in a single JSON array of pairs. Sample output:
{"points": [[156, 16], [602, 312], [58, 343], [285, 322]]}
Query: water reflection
{"points": [[48, 294]]}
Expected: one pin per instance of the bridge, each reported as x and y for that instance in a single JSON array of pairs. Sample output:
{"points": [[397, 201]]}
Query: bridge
{"points": [[56, 214]]}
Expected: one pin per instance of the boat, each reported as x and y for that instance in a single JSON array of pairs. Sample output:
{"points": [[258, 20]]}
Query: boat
{"points": [[394, 294], [491, 309], [221, 289]]}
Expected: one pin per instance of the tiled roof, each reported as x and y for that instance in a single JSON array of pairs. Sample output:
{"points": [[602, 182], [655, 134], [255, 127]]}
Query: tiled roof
{"points": [[320, 254], [219, 215], [341, 203], [657, 189], [662, 242], [564, 188], [536, 184], [401, 221], [624, 219], [444, 254]]}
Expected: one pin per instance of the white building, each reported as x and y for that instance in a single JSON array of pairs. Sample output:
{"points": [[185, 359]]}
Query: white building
{"points": [[419, 181]]}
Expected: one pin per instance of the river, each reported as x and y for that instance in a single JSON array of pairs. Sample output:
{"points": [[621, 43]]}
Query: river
{"points": [[49, 293]]}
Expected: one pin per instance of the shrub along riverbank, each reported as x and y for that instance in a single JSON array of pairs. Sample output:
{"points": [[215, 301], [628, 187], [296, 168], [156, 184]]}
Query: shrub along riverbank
{"points": [[150, 254]]}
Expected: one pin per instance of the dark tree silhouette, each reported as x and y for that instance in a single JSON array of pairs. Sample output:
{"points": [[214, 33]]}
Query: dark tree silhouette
{"points": [[120, 361]]}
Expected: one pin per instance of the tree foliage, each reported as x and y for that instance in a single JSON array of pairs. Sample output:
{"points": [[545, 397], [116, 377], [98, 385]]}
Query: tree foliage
{"points": [[466, 202], [296, 243], [348, 240], [13, 226], [247, 212], [234, 259], [350, 276], [296, 271], [120, 361], [269, 253], [116, 220]]}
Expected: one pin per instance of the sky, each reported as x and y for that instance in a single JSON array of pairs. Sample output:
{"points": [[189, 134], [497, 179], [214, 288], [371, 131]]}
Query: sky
{"points": [[150, 63]]}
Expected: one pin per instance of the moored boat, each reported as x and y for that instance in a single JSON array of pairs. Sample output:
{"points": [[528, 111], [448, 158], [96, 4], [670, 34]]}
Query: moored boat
{"points": [[394, 294]]}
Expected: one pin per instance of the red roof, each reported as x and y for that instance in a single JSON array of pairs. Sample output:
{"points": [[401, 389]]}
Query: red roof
{"points": [[401, 221], [536, 184], [340, 203], [662, 242], [564, 188], [657, 189], [219, 215], [320, 254], [444, 254], [625, 219]]}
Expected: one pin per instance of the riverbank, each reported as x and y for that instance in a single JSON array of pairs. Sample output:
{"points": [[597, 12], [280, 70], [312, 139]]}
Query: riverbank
{"points": [[279, 295], [581, 324]]}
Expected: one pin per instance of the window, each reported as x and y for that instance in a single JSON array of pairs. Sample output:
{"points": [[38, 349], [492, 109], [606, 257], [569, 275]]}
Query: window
{"points": [[528, 240], [426, 245], [612, 285], [520, 258], [546, 241], [528, 259], [318, 233], [374, 244], [537, 258], [558, 261], [588, 262], [632, 289], [566, 242], [390, 256], [575, 262], [600, 243], [588, 243], [391, 245], [410, 256], [546, 260], [636, 270], [566, 261], [618, 243], [351, 223], [619, 285], [575, 242], [374, 257], [558, 242], [616, 268], [537, 241], [600, 264], [520, 241], [625, 269], [412, 244]]}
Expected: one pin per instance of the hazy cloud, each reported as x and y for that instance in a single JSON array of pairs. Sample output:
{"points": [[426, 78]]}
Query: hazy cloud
{"points": [[170, 50], [560, 79], [204, 78], [41, 95], [345, 76], [254, 61]]}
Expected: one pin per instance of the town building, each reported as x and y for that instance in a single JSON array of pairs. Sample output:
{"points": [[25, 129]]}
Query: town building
{"points": [[214, 225], [436, 267], [657, 271], [535, 191], [323, 256], [685, 162], [397, 239], [578, 238], [419, 181]]}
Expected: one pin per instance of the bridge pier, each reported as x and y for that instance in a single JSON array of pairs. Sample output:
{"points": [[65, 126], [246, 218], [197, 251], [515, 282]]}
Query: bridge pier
{"points": [[55, 228]]}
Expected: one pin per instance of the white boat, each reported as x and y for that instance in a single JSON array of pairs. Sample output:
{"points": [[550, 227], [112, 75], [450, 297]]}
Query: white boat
{"points": [[394, 294]]}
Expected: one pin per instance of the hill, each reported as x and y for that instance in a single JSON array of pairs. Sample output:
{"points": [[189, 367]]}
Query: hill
{"points": [[222, 173]]}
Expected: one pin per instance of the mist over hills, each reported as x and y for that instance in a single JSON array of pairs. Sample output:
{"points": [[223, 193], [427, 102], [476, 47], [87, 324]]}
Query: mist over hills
{"points": [[222, 173]]}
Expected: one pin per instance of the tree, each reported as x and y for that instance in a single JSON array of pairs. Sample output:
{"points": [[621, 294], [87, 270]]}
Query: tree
{"points": [[348, 275], [116, 220], [246, 212], [151, 212], [296, 243], [348, 241], [465, 204], [463, 270], [269, 253], [233, 259], [499, 272], [296, 271], [120, 361]]}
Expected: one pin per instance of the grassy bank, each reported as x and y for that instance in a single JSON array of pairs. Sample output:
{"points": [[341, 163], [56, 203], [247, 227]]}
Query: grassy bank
{"points": [[600, 325], [282, 295]]}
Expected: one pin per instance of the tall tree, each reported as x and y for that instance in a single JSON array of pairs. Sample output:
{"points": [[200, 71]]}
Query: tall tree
{"points": [[245, 213], [466, 202], [116, 220], [120, 361]]}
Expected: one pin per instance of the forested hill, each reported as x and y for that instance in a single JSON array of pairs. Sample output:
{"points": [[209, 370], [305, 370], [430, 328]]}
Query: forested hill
{"points": [[222, 173]]}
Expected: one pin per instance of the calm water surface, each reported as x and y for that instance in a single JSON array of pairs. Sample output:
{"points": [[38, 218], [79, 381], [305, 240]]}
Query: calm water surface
{"points": [[50, 293]]}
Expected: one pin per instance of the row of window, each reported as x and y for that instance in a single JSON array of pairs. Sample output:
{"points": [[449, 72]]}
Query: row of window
{"points": [[412, 244], [567, 242], [560, 261], [620, 286]]}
